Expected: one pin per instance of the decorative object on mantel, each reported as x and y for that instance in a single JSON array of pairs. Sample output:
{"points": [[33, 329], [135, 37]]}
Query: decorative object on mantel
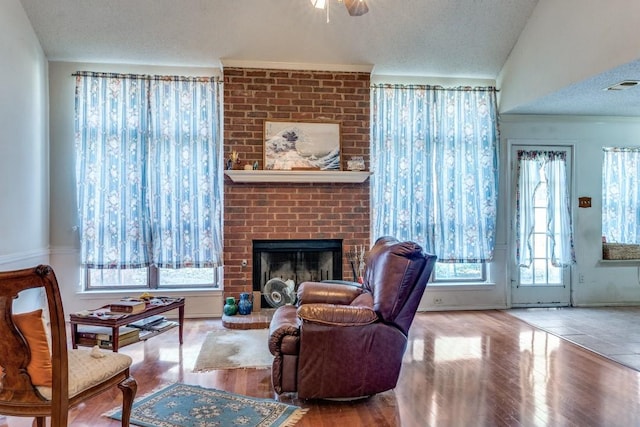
{"points": [[356, 163], [234, 159], [261, 176], [295, 144]]}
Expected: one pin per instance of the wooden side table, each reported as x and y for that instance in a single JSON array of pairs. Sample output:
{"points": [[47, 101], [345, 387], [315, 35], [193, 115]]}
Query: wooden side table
{"points": [[116, 322]]}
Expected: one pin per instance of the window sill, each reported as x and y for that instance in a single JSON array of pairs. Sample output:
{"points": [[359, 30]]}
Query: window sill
{"points": [[461, 286]]}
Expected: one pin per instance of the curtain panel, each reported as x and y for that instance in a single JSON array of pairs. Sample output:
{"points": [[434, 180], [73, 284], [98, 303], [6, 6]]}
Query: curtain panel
{"points": [[148, 170], [534, 167], [434, 158], [621, 194]]}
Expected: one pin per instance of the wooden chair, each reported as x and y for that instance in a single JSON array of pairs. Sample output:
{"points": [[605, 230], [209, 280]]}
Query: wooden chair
{"points": [[74, 376]]}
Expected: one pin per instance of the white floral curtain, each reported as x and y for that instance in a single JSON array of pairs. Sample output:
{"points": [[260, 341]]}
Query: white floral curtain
{"points": [[534, 167], [148, 170], [621, 194], [434, 158], [185, 184]]}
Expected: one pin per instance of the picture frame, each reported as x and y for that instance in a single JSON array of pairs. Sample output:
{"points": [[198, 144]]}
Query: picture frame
{"points": [[302, 145]]}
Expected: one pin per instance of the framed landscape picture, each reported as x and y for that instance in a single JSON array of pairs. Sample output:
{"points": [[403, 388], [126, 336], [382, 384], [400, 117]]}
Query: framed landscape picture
{"points": [[298, 145]]}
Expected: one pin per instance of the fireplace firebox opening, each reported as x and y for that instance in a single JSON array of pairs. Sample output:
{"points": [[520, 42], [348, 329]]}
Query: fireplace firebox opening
{"points": [[279, 266]]}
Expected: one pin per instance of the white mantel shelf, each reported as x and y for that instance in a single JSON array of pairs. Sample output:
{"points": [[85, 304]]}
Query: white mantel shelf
{"points": [[296, 176]]}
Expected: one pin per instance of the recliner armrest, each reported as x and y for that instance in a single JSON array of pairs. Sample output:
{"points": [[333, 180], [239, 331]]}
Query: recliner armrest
{"points": [[329, 293], [285, 323], [338, 315]]}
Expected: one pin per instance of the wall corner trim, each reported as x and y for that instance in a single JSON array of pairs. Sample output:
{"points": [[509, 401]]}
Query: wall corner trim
{"points": [[298, 66]]}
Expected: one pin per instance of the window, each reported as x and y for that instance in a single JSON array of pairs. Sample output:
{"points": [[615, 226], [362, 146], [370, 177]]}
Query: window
{"points": [[541, 269], [149, 180], [459, 272], [435, 173], [621, 195], [544, 231], [152, 277]]}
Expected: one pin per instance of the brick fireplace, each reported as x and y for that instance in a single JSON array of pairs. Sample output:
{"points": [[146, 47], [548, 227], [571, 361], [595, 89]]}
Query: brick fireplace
{"points": [[276, 262], [291, 210]]}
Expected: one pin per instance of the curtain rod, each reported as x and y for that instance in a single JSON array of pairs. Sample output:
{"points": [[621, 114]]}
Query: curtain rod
{"points": [[436, 87], [144, 76]]}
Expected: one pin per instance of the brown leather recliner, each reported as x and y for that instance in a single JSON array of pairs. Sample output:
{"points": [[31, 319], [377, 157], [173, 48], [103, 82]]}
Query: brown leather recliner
{"points": [[344, 340]]}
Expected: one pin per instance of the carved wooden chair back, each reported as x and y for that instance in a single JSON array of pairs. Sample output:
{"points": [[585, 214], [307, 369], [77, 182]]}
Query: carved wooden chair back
{"points": [[31, 385]]}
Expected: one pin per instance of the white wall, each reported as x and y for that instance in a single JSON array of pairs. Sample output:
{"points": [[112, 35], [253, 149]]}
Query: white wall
{"points": [[590, 135], [64, 237], [24, 143], [566, 42], [603, 284]]}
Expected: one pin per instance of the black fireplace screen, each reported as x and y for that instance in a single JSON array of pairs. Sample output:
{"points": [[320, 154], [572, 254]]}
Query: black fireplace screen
{"points": [[279, 266]]}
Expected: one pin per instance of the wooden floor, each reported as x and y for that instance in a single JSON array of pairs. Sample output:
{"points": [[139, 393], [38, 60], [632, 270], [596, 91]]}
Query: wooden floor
{"points": [[482, 368]]}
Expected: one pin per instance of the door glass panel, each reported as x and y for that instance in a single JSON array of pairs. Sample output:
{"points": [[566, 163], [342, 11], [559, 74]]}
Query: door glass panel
{"points": [[540, 283], [541, 272]]}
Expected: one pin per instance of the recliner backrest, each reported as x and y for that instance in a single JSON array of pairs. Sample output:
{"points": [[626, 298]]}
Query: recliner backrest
{"points": [[397, 274]]}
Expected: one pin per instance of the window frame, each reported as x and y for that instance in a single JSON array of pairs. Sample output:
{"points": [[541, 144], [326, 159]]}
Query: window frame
{"points": [[153, 281], [462, 280]]}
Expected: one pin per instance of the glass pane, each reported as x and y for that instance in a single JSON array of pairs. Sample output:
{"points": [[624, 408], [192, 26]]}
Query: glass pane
{"points": [[540, 196], [555, 275], [526, 275], [539, 271], [540, 246], [540, 218], [117, 277], [186, 276], [458, 271]]}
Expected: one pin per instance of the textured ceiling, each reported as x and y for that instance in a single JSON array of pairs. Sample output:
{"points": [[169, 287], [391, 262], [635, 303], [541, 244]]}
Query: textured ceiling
{"points": [[590, 97], [422, 38], [461, 38]]}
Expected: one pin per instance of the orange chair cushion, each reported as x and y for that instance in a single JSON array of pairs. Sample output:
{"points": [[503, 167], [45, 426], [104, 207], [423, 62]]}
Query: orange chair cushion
{"points": [[31, 327]]}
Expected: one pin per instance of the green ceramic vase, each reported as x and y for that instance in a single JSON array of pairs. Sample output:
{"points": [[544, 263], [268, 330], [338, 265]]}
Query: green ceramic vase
{"points": [[230, 306]]}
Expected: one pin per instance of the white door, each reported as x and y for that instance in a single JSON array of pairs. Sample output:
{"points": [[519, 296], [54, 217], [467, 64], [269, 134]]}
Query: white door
{"points": [[538, 282]]}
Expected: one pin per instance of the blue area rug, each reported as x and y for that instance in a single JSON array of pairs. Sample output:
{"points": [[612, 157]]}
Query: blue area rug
{"points": [[183, 405]]}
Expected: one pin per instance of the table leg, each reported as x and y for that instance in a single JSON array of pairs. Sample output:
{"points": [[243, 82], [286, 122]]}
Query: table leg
{"points": [[74, 335], [181, 321], [115, 338]]}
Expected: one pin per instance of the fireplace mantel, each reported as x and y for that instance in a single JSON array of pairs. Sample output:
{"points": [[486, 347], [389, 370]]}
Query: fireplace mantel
{"points": [[297, 176]]}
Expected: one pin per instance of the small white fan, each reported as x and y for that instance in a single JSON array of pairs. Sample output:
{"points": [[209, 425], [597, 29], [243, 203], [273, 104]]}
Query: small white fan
{"points": [[277, 293]]}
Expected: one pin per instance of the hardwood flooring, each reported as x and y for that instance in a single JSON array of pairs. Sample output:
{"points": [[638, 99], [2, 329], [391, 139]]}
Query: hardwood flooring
{"points": [[466, 368]]}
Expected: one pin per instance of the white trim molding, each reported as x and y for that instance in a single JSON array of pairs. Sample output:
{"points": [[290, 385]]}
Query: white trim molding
{"points": [[299, 66], [24, 259]]}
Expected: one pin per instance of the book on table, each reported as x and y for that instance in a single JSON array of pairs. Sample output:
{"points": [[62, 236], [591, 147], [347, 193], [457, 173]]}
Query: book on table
{"points": [[154, 323], [128, 306], [103, 336], [147, 322], [107, 344]]}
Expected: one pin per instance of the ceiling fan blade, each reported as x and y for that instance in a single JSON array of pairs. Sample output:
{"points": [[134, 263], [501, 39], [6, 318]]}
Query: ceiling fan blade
{"points": [[356, 7]]}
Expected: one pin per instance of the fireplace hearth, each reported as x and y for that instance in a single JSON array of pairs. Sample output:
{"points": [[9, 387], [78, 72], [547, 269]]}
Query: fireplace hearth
{"points": [[279, 266]]}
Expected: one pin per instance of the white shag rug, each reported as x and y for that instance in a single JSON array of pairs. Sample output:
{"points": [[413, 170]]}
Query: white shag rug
{"points": [[234, 348]]}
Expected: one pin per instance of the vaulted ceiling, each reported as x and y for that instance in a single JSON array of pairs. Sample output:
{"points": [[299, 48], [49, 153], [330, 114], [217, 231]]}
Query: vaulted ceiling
{"points": [[455, 39]]}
